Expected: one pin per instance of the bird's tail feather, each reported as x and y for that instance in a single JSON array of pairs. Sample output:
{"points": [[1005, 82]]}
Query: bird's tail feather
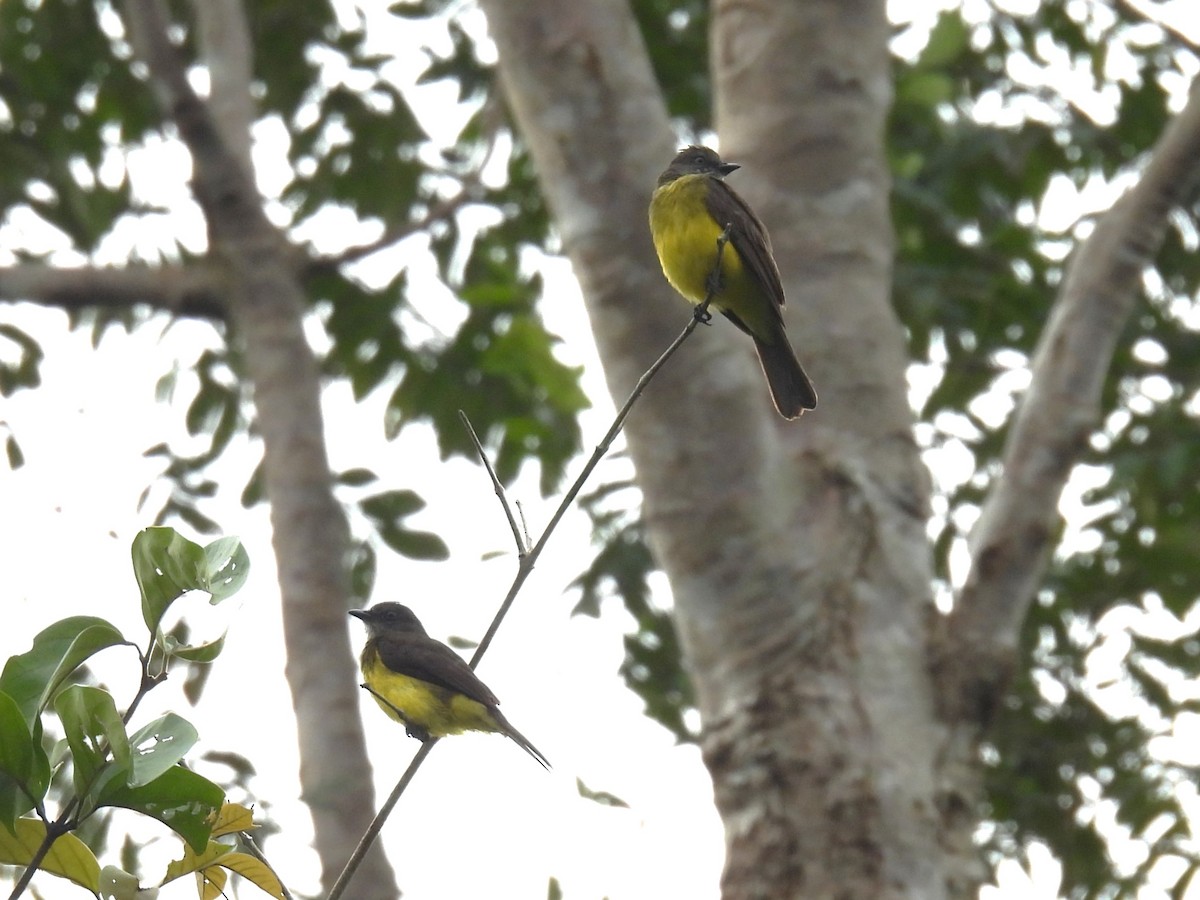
{"points": [[507, 729], [790, 388]]}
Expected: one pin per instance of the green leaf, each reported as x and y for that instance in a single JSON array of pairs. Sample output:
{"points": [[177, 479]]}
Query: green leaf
{"points": [[99, 747], [925, 88], [415, 544], [392, 504], [357, 477], [604, 798], [25, 373], [947, 41], [388, 509], [12, 450], [32, 678], [160, 745], [168, 565], [200, 653], [117, 884], [228, 568], [362, 570], [69, 857], [24, 768], [185, 802]]}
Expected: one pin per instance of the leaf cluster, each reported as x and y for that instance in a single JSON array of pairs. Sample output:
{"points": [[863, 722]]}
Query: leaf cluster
{"points": [[110, 765]]}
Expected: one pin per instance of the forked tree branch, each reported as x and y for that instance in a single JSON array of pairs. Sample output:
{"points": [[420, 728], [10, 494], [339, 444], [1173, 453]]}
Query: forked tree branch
{"points": [[1013, 540]]}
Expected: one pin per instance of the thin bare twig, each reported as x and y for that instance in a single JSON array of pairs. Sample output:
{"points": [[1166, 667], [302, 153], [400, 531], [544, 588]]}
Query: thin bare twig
{"points": [[522, 541], [372, 832], [530, 560], [527, 562]]}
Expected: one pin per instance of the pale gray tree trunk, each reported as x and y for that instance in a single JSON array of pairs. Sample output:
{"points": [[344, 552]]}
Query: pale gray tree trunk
{"points": [[840, 718]]}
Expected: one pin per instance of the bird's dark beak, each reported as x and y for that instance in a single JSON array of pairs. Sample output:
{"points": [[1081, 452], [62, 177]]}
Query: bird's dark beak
{"points": [[726, 168], [359, 614]]}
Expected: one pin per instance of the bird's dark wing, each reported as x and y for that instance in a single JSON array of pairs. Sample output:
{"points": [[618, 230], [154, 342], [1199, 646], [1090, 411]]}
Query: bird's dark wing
{"points": [[424, 658], [748, 236]]}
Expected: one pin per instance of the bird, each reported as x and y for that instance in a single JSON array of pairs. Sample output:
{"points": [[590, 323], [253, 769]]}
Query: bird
{"points": [[689, 210], [423, 684]]}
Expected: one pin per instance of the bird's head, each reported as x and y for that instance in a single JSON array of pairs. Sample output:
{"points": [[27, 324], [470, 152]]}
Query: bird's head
{"points": [[696, 160], [389, 618]]}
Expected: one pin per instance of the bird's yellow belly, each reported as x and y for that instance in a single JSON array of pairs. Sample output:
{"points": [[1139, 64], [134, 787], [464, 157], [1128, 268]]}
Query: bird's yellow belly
{"points": [[411, 701], [685, 236]]}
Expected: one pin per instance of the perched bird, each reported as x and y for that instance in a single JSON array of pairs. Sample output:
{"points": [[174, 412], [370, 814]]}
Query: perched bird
{"points": [[423, 684], [691, 207]]}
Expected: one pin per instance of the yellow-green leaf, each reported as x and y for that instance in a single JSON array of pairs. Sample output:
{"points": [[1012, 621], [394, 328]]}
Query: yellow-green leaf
{"points": [[232, 818], [117, 884], [212, 882], [195, 862], [69, 857], [255, 871]]}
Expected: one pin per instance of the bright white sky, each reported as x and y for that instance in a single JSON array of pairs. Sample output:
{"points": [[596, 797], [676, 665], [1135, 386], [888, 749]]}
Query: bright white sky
{"points": [[71, 514]]}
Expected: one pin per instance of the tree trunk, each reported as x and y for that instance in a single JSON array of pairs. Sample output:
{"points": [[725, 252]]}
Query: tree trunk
{"points": [[796, 551], [265, 301]]}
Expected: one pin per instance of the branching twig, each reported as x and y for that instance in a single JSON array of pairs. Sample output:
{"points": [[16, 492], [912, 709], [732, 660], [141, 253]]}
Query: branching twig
{"points": [[530, 560], [372, 832], [522, 540], [527, 561]]}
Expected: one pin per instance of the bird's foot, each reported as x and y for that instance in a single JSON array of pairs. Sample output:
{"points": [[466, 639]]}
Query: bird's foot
{"points": [[702, 315], [416, 731]]}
